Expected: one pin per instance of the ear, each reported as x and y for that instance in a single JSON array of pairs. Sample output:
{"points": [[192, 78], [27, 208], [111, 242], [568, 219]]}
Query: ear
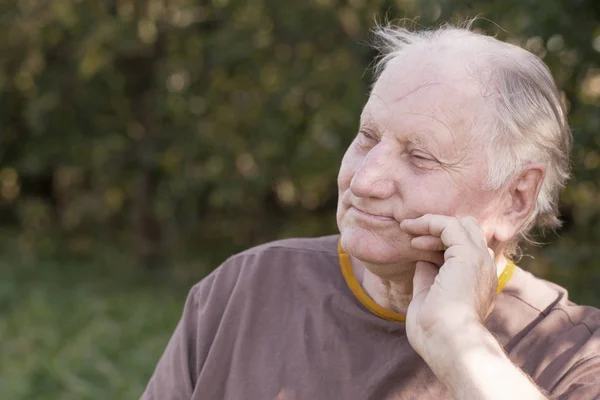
{"points": [[519, 202]]}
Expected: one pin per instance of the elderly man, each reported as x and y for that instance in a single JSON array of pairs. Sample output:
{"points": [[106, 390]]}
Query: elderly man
{"points": [[462, 148]]}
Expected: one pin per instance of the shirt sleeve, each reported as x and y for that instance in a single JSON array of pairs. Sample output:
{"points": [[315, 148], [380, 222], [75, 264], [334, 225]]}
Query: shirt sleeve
{"points": [[582, 382], [176, 373]]}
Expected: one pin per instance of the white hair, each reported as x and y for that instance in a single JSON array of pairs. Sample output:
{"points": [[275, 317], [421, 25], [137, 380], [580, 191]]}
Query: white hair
{"points": [[528, 122]]}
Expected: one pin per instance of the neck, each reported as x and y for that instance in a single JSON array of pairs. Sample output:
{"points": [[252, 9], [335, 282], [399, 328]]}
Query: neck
{"points": [[394, 292]]}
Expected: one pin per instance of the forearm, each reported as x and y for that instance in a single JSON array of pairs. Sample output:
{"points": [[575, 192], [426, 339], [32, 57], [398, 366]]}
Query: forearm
{"points": [[473, 366]]}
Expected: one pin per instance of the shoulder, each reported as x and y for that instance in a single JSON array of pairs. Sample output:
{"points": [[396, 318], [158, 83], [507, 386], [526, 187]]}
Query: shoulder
{"points": [[544, 299], [268, 280], [285, 253], [277, 260], [321, 245], [545, 333]]}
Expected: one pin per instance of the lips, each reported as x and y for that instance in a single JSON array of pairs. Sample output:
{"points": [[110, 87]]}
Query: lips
{"points": [[372, 215]]}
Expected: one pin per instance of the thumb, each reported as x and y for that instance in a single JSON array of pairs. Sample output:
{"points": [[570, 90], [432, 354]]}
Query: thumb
{"points": [[425, 274]]}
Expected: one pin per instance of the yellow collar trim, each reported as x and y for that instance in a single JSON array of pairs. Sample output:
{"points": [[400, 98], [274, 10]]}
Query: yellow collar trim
{"points": [[507, 273], [383, 312]]}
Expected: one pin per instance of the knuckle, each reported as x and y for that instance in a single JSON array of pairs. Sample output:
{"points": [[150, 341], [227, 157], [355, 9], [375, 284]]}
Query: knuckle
{"points": [[468, 220], [455, 223]]}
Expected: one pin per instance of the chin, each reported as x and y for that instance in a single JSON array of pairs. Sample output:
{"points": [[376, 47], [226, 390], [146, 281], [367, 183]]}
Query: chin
{"points": [[368, 247]]}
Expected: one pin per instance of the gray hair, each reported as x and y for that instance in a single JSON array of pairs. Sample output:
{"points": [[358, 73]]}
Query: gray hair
{"points": [[528, 124]]}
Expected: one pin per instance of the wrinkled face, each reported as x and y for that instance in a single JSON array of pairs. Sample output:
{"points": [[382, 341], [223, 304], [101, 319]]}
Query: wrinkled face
{"points": [[414, 154]]}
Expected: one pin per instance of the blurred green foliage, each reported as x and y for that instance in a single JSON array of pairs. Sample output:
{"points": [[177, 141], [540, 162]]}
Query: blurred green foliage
{"points": [[179, 129], [79, 329], [164, 124]]}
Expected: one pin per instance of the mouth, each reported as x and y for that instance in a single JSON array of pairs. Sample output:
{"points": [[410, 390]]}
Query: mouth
{"points": [[370, 216]]}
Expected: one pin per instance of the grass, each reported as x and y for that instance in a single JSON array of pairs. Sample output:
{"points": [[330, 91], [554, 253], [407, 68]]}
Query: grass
{"points": [[87, 328]]}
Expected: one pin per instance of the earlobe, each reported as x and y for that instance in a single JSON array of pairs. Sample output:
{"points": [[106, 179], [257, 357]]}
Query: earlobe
{"points": [[503, 232]]}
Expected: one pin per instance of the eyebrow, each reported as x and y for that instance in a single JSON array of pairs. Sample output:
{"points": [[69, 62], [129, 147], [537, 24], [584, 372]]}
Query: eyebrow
{"points": [[417, 138], [366, 120]]}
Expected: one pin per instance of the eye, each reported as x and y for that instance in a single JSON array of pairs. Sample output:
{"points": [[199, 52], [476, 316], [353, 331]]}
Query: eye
{"points": [[419, 155], [366, 139], [367, 135]]}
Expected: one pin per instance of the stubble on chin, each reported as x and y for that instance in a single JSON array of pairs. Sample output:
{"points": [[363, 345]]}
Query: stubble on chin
{"points": [[372, 247]]}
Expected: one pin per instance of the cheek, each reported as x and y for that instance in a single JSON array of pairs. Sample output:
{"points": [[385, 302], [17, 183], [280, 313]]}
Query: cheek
{"points": [[432, 193], [348, 167], [435, 195]]}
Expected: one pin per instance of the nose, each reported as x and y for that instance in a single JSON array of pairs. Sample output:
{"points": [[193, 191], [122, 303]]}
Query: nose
{"points": [[373, 178]]}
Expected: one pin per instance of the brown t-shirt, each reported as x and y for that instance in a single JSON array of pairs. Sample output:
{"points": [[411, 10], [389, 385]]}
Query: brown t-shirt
{"points": [[279, 321]]}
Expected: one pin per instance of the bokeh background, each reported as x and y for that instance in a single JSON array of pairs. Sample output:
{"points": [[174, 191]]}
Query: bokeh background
{"points": [[144, 141]]}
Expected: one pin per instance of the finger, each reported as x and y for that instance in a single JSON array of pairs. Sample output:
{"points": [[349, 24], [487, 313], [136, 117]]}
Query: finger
{"points": [[477, 235], [474, 230], [463, 252], [434, 257], [448, 229], [418, 226], [455, 252], [424, 278], [427, 243]]}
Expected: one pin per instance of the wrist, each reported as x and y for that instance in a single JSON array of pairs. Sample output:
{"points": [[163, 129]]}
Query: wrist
{"points": [[448, 343], [473, 365]]}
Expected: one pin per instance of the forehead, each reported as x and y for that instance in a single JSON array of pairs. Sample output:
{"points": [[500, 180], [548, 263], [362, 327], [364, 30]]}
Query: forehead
{"points": [[418, 96]]}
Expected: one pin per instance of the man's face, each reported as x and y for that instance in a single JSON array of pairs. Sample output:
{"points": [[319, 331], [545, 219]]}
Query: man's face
{"points": [[414, 154]]}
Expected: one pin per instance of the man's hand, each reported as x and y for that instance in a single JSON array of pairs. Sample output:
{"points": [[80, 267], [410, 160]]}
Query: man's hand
{"points": [[445, 319], [461, 291]]}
